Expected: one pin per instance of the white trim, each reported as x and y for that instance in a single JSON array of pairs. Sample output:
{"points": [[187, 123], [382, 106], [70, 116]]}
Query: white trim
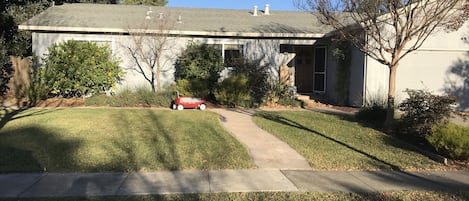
{"points": [[320, 73], [439, 50], [173, 32]]}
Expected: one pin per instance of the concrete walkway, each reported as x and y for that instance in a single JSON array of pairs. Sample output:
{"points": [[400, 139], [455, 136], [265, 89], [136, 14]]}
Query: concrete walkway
{"points": [[260, 180], [267, 151]]}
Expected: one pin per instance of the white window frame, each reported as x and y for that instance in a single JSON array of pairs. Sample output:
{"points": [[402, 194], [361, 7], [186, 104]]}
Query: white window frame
{"points": [[223, 51], [320, 73]]}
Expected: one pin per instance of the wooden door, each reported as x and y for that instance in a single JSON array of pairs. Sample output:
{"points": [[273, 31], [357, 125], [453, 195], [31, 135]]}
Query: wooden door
{"points": [[304, 69]]}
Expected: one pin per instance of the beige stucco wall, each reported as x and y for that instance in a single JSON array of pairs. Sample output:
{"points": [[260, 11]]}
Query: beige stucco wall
{"points": [[266, 49], [431, 67]]}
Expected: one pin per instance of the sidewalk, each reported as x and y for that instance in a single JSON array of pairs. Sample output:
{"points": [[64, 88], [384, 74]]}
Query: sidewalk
{"points": [[259, 180]]}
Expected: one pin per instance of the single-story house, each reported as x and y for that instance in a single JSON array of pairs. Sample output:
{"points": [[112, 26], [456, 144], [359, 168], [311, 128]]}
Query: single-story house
{"points": [[280, 38]]}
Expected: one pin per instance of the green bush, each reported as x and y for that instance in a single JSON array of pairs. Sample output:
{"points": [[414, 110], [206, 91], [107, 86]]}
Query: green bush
{"points": [[451, 140], [195, 87], [37, 90], [290, 101], [202, 65], [374, 110], [234, 91], [423, 110], [78, 66], [6, 68], [277, 91], [375, 114], [258, 84], [139, 97]]}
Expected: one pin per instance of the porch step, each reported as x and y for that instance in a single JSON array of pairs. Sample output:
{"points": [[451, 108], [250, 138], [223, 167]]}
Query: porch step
{"points": [[307, 99], [309, 102], [303, 97]]}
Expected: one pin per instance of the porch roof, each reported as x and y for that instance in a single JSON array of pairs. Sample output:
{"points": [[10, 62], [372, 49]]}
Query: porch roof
{"points": [[122, 19]]}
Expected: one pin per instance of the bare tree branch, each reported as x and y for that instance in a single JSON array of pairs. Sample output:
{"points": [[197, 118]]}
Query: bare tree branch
{"points": [[389, 29], [149, 42]]}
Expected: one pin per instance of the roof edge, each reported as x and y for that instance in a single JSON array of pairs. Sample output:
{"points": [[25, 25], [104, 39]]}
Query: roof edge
{"points": [[172, 32]]}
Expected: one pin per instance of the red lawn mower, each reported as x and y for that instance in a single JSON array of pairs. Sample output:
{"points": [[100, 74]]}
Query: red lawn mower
{"points": [[182, 102]]}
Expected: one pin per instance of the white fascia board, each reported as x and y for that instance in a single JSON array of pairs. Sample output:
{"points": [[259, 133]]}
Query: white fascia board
{"points": [[172, 32]]}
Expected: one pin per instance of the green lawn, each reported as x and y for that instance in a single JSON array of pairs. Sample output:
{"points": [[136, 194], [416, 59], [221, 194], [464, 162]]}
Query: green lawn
{"points": [[329, 142], [95, 140], [295, 196]]}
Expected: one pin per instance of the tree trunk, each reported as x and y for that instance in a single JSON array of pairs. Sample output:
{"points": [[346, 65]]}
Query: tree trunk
{"points": [[391, 96], [153, 82], [158, 85]]}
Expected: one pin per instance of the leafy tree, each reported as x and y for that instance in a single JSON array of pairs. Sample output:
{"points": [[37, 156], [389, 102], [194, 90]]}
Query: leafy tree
{"points": [[201, 62], [387, 31], [5, 68], [77, 66], [15, 13], [147, 2], [59, 2]]}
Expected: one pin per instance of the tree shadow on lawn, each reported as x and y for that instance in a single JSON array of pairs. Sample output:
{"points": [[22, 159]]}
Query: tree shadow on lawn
{"points": [[10, 115], [288, 122], [402, 142], [35, 149], [396, 143], [168, 159]]}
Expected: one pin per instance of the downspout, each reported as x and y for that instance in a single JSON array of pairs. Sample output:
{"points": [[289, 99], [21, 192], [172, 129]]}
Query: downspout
{"points": [[365, 74]]}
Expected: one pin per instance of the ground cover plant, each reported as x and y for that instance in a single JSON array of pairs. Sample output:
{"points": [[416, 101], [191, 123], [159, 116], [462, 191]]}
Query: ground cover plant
{"points": [[332, 142], [293, 196], [141, 97], [96, 140], [452, 140]]}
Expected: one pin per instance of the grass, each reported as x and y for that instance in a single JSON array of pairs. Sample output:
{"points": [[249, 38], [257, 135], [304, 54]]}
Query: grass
{"points": [[97, 140], [330, 142], [387, 196]]}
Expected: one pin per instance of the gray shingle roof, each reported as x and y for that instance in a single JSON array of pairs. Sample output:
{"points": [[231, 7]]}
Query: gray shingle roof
{"points": [[195, 21]]}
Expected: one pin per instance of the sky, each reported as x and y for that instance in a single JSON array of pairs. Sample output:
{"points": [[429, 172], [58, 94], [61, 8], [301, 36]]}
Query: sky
{"points": [[234, 4]]}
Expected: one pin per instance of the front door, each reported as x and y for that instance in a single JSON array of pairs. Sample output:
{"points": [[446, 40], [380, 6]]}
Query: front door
{"points": [[304, 69]]}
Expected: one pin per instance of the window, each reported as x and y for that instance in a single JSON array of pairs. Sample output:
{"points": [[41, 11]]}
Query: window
{"points": [[320, 65], [231, 54]]}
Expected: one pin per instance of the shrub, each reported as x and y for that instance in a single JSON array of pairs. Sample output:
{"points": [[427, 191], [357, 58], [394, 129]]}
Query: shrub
{"points": [[37, 90], [290, 101], [234, 91], [423, 110], [277, 91], [374, 110], [201, 64], [139, 97], [375, 114], [195, 87], [77, 66], [451, 140], [6, 68], [258, 84]]}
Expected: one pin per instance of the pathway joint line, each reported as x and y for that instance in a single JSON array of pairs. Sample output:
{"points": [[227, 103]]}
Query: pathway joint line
{"points": [[118, 189], [20, 195]]}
